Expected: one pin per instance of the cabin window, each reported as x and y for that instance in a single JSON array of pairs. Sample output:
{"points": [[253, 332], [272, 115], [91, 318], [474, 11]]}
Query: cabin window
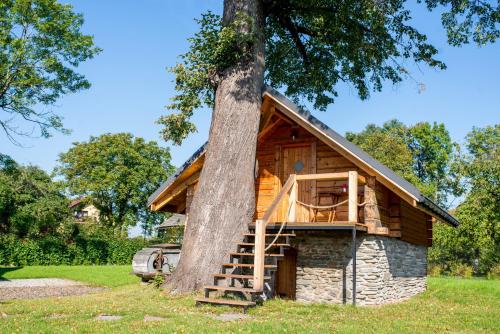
{"points": [[298, 166]]}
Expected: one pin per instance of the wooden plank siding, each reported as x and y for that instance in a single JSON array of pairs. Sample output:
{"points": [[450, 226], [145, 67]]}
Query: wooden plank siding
{"points": [[415, 225]]}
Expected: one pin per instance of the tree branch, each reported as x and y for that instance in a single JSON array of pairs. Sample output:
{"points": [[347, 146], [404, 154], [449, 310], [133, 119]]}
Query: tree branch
{"points": [[287, 23]]}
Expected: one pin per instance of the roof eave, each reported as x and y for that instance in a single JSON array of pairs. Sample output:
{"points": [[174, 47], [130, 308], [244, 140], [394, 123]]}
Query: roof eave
{"points": [[164, 187], [429, 205]]}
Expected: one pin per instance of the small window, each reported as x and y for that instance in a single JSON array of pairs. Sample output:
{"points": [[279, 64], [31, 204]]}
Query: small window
{"points": [[298, 166], [81, 214]]}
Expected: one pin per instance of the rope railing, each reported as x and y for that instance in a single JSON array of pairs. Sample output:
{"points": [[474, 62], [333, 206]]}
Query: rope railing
{"points": [[275, 238], [324, 207], [280, 230]]}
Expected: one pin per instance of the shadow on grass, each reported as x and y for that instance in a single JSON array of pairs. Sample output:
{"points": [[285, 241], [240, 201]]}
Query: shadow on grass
{"points": [[4, 270]]}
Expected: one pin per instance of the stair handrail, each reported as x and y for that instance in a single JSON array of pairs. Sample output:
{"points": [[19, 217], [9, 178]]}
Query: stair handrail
{"points": [[290, 205], [292, 179], [260, 232]]}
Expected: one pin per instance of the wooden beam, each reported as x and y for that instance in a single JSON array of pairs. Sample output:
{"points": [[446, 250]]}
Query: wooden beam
{"points": [[323, 176], [259, 257], [267, 130], [353, 197], [292, 203], [267, 113], [314, 226], [285, 119]]}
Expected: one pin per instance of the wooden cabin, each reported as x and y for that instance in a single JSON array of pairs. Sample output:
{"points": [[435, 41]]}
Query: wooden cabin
{"points": [[354, 230]]}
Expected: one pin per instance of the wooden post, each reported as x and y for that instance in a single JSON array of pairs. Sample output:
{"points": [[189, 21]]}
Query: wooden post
{"points": [[372, 214], [292, 203], [353, 249], [260, 245], [353, 196]]}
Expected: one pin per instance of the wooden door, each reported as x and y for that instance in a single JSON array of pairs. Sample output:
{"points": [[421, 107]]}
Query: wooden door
{"points": [[286, 275], [299, 160]]}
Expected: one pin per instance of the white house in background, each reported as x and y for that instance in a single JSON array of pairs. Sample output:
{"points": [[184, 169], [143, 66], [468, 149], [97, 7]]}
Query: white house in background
{"points": [[84, 212]]}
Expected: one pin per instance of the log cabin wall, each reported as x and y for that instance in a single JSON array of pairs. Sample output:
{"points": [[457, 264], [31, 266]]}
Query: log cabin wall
{"points": [[416, 226]]}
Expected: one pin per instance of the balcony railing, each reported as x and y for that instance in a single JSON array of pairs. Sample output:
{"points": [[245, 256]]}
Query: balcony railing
{"points": [[288, 196]]}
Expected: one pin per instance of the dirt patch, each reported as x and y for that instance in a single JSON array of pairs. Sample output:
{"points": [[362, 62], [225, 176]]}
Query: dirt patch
{"points": [[43, 287]]}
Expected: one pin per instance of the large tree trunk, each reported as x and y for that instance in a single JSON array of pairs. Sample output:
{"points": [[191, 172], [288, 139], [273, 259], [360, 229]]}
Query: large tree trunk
{"points": [[224, 202]]}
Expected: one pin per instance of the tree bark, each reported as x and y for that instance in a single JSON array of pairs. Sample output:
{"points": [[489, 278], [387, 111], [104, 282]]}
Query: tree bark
{"points": [[224, 202]]}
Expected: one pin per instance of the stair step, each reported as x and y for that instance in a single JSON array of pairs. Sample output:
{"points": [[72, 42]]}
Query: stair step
{"points": [[271, 235], [249, 244], [252, 254], [238, 276], [248, 265], [230, 302], [229, 288]]}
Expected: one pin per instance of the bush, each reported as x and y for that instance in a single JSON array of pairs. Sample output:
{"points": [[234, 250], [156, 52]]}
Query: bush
{"points": [[435, 270], [54, 251], [461, 270], [158, 280], [494, 272]]}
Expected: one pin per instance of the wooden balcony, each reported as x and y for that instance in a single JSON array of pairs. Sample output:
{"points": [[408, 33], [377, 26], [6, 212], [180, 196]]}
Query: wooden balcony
{"points": [[282, 214]]}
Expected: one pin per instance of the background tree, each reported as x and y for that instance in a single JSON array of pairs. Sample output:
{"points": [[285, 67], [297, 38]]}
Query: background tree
{"points": [[117, 173], [388, 144], [40, 46], [307, 48], [423, 154], [477, 240], [31, 204]]}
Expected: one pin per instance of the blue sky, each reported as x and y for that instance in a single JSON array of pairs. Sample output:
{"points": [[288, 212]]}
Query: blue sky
{"points": [[130, 84]]}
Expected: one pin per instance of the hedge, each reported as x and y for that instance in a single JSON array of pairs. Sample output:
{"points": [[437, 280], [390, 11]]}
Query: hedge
{"points": [[54, 251]]}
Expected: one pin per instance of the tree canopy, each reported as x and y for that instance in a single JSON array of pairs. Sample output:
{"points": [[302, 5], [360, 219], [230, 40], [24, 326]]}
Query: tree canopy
{"points": [[117, 173], [477, 240], [41, 44], [313, 46], [423, 153], [31, 204]]}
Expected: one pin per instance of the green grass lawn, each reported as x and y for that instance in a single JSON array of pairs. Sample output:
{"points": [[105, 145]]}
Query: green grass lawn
{"points": [[449, 306], [110, 276]]}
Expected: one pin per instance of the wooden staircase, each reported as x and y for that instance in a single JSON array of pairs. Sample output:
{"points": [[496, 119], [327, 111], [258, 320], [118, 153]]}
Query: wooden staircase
{"points": [[233, 286]]}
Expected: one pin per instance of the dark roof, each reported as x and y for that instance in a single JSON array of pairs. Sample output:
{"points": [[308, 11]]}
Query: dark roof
{"points": [[422, 200], [75, 202], [175, 220]]}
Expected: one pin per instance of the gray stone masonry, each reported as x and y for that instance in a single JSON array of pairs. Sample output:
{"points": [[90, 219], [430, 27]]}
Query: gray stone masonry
{"points": [[388, 269]]}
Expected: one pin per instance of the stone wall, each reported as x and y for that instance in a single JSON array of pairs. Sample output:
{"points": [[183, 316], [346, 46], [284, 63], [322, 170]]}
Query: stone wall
{"points": [[388, 269]]}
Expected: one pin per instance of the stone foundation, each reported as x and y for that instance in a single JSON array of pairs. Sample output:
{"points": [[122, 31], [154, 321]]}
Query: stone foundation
{"points": [[388, 269]]}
